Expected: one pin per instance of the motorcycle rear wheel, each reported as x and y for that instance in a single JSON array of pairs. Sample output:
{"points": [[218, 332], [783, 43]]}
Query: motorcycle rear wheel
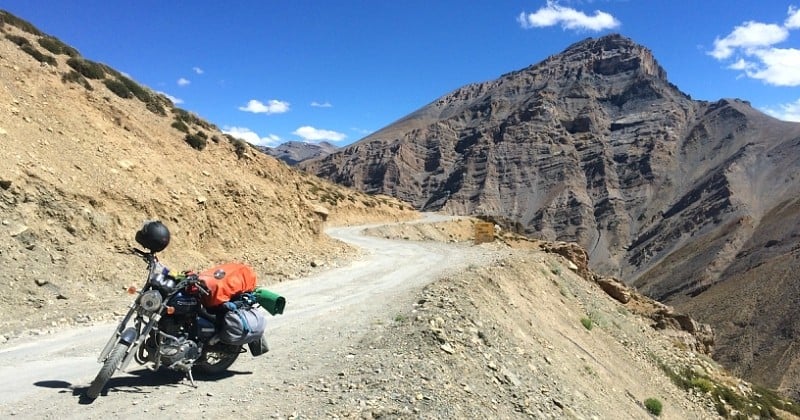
{"points": [[216, 361], [109, 367]]}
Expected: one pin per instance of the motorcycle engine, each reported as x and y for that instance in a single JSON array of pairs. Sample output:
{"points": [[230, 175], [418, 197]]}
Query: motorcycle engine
{"points": [[178, 353]]}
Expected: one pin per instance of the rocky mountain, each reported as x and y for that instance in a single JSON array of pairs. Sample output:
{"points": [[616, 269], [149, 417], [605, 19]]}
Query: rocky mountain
{"points": [[692, 202], [294, 152], [87, 154]]}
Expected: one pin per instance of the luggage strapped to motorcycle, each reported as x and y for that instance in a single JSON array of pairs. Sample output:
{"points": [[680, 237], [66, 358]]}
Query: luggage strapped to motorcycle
{"points": [[243, 322]]}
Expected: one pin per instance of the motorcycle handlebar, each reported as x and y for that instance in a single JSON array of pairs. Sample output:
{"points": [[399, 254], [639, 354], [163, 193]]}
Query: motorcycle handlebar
{"points": [[201, 285]]}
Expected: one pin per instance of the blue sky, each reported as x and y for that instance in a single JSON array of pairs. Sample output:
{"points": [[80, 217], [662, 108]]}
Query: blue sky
{"points": [[271, 71]]}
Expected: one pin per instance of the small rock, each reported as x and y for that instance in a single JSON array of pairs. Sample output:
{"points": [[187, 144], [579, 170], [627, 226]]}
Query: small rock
{"points": [[17, 229], [447, 348], [126, 164], [509, 377]]}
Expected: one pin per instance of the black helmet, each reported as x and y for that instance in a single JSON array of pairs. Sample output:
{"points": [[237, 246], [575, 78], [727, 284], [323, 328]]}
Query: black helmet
{"points": [[153, 235]]}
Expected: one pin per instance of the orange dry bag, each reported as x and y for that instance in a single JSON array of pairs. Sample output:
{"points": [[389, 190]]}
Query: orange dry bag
{"points": [[226, 281]]}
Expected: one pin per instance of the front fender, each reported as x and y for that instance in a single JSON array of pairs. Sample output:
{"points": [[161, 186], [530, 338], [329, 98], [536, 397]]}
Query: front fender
{"points": [[128, 336]]}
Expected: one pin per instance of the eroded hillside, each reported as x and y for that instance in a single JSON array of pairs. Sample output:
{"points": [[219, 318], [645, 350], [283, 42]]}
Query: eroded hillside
{"points": [[82, 166], [594, 145]]}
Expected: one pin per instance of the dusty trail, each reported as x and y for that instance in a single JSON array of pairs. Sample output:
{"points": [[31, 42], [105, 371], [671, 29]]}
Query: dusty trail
{"points": [[43, 377]]}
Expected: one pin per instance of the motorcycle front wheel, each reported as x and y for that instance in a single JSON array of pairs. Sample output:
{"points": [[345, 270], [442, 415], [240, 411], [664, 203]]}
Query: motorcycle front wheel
{"points": [[217, 359], [110, 366]]}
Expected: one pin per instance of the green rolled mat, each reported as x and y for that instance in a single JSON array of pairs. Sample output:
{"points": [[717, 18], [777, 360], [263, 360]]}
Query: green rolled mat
{"points": [[270, 301]]}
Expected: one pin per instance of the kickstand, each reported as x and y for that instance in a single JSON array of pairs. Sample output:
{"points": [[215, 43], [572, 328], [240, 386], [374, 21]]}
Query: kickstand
{"points": [[191, 378]]}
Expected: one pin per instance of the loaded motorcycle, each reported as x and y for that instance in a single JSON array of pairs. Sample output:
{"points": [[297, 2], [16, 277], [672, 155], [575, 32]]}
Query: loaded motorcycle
{"points": [[171, 324]]}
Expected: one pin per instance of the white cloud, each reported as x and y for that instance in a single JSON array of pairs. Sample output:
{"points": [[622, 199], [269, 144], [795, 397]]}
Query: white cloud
{"points": [[321, 104], [252, 137], [183, 82], [309, 133], [552, 14], [742, 64], [174, 100], [779, 67], [197, 70], [752, 46], [793, 21], [786, 112], [750, 37], [273, 106]]}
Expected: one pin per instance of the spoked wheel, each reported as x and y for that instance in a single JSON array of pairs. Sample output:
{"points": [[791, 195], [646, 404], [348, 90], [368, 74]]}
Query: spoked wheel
{"points": [[217, 359], [110, 366]]}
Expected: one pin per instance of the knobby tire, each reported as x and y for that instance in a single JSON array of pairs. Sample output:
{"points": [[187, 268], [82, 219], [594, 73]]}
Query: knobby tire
{"points": [[109, 367], [215, 362]]}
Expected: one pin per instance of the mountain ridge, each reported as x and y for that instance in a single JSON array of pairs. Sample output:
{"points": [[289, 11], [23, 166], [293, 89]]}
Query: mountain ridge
{"points": [[594, 145]]}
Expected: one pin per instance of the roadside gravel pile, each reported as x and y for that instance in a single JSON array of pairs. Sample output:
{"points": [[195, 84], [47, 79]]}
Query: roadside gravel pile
{"points": [[507, 341]]}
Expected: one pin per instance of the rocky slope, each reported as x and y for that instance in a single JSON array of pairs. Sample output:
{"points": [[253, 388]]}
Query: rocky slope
{"points": [[594, 145], [84, 161]]}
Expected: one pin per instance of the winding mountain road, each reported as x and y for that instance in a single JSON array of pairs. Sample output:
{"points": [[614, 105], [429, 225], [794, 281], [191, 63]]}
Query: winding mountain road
{"points": [[45, 376]]}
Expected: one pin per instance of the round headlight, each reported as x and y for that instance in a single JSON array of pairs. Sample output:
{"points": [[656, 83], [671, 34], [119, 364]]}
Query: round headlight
{"points": [[150, 300]]}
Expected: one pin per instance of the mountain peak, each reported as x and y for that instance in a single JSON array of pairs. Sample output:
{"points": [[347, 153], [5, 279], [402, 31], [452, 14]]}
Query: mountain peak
{"points": [[613, 54]]}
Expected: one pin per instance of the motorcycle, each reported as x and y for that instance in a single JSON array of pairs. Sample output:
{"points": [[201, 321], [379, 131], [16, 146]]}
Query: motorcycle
{"points": [[168, 326]]}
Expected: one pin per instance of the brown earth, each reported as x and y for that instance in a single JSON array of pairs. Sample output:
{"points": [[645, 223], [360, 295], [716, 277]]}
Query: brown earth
{"points": [[516, 334], [80, 170]]}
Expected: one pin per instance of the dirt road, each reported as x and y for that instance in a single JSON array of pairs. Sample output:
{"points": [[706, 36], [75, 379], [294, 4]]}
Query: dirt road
{"points": [[45, 376]]}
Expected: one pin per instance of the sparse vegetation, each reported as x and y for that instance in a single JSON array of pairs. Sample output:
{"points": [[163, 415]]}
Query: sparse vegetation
{"points": [[192, 119], [22, 24], [75, 77], [589, 371], [38, 55], [118, 88], [136, 89], [55, 46], [654, 406], [197, 141], [728, 402], [156, 106], [240, 146], [702, 384], [19, 40], [180, 126], [587, 323], [87, 68]]}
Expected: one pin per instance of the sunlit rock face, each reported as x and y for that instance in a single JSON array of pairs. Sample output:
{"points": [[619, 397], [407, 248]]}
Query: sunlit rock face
{"points": [[679, 197]]}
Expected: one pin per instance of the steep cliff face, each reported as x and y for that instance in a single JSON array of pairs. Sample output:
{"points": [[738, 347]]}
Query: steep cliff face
{"points": [[593, 145]]}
